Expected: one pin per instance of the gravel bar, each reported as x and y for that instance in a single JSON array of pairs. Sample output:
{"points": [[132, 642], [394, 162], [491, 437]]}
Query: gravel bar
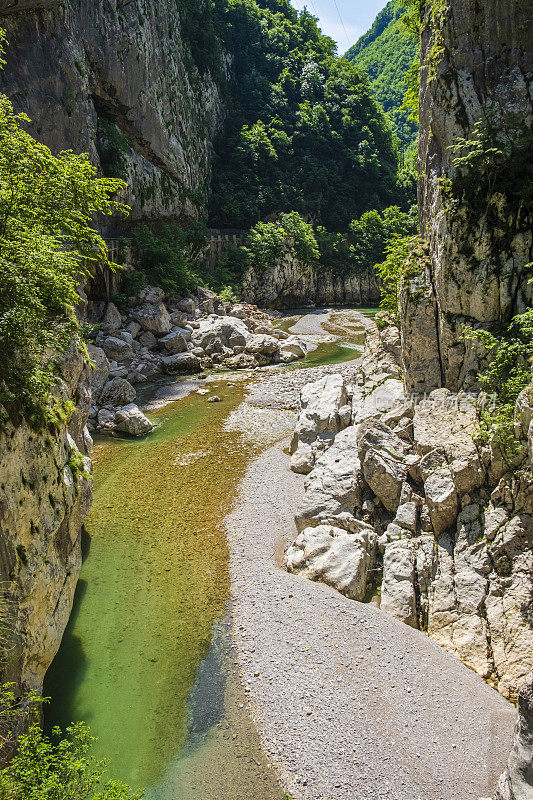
{"points": [[350, 703]]}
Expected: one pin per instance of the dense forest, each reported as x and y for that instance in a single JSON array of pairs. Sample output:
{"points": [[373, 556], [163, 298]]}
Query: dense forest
{"points": [[386, 52]]}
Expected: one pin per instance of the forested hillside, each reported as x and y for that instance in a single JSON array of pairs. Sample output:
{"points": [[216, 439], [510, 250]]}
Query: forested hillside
{"points": [[386, 52], [303, 132]]}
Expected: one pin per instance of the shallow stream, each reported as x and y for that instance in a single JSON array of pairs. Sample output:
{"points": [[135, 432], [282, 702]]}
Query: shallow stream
{"points": [[146, 659]]}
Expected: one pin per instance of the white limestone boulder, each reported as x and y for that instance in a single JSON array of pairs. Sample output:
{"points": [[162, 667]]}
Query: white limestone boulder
{"points": [[331, 555], [398, 588], [385, 461], [130, 419], [319, 420], [116, 349], [173, 342], [181, 363], [100, 370], [332, 487], [153, 317]]}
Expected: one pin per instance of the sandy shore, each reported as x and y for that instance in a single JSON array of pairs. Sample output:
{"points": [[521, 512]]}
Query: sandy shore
{"points": [[350, 704]]}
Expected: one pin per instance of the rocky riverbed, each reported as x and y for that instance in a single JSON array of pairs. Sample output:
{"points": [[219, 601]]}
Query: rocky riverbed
{"points": [[157, 335], [347, 698]]}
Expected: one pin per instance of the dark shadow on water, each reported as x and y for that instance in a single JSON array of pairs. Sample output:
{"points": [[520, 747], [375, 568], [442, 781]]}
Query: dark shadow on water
{"points": [[67, 670], [206, 701]]}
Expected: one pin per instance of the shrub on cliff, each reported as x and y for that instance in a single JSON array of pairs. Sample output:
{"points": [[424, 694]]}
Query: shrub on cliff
{"points": [[508, 372], [47, 241], [269, 242]]}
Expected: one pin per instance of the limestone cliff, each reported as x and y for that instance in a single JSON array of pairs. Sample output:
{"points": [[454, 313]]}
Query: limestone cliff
{"points": [[291, 284], [45, 493], [116, 79], [475, 217]]}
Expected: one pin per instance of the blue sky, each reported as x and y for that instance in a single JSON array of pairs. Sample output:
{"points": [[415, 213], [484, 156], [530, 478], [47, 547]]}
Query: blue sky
{"points": [[357, 16]]}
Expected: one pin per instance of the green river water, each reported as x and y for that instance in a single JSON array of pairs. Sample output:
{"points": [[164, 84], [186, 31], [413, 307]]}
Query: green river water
{"points": [[145, 659]]}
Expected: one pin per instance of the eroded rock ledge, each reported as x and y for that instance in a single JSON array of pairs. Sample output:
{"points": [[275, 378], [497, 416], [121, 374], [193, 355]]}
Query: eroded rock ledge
{"points": [[401, 501]]}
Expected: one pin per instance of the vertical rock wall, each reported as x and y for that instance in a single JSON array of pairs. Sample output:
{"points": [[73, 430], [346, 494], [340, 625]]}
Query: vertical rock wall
{"points": [[118, 75], [45, 494], [291, 284], [477, 68]]}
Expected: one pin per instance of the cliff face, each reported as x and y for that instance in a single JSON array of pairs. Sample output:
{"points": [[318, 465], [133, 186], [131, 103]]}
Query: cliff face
{"points": [[45, 494], [291, 284], [115, 79], [477, 227]]}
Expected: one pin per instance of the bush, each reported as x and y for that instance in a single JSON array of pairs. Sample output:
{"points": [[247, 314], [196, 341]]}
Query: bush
{"points": [[171, 257], [43, 768], [509, 371], [47, 207], [390, 271], [268, 242]]}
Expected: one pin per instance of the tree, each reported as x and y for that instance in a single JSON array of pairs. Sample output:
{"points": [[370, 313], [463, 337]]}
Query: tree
{"points": [[47, 243]]}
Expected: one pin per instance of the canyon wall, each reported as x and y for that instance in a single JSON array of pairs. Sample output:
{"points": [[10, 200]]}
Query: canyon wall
{"points": [[116, 79], [475, 217], [45, 494], [291, 284]]}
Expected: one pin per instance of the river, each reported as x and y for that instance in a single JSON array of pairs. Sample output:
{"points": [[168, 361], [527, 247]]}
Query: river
{"points": [[147, 659]]}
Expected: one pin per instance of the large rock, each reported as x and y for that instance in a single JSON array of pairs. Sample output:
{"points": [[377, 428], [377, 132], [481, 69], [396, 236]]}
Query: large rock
{"points": [[333, 556], [215, 333], [153, 317], [129, 419], [45, 494], [151, 294], [332, 489], [187, 305], [516, 783], [117, 349], [181, 363], [398, 586], [478, 239], [319, 420], [100, 370], [173, 343], [117, 392], [509, 599], [384, 460], [261, 343], [111, 321], [441, 498]]}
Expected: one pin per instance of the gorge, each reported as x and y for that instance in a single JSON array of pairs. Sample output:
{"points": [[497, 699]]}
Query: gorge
{"points": [[307, 568]]}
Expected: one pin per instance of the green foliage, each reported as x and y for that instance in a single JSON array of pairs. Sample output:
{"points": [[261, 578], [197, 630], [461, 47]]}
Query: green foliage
{"points": [[268, 242], [231, 266], [387, 52], [303, 132], [200, 30], [47, 240], [509, 371], [112, 145], [495, 159], [227, 295], [170, 257], [42, 768], [366, 240], [390, 272]]}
